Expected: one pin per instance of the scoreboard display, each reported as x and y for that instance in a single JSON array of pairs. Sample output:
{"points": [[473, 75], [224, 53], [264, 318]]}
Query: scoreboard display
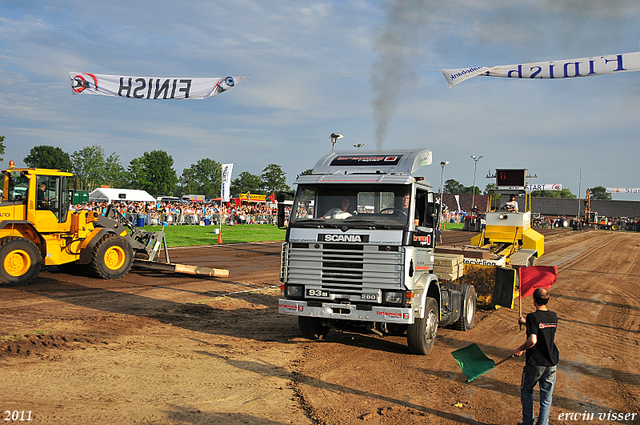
{"points": [[511, 178]]}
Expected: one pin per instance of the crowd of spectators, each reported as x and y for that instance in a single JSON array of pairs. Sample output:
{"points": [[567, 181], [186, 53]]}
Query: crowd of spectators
{"points": [[186, 213]]}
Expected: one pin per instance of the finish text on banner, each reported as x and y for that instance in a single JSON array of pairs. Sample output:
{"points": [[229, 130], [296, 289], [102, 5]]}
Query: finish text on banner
{"points": [[555, 69], [150, 87]]}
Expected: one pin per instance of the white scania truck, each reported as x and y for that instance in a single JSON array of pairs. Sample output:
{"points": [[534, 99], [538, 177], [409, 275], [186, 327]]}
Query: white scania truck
{"points": [[359, 251]]}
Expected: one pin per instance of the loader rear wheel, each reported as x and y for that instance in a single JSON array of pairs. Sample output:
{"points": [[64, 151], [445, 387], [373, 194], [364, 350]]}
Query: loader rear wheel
{"points": [[421, 335], [20, 259], [112, 257]]}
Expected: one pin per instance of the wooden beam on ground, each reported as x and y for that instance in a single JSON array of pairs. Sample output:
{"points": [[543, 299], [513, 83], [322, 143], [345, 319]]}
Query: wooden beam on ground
{"points": [[180, 268]]}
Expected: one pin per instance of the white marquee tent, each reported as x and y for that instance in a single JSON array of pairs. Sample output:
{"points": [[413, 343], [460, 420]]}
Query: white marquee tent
{"points": [[110, 194]]}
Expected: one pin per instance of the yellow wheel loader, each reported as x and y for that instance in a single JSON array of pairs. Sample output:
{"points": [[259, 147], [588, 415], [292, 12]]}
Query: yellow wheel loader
{"points": [[38, 228]]}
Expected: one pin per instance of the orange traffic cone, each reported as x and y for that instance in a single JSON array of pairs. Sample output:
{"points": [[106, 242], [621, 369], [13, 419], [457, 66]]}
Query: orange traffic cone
{"points": [[219, 237]]}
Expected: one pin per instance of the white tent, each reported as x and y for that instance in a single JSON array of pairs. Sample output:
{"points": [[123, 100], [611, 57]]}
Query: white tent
{"points": [[110, 194]]}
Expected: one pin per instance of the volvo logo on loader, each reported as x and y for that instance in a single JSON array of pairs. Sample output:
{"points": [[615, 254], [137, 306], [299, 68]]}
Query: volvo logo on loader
{"points": [[342, 238]]}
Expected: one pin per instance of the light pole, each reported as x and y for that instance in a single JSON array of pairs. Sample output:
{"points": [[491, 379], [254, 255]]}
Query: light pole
{"points": [[442, 164], [475, 166], [334, 139]]}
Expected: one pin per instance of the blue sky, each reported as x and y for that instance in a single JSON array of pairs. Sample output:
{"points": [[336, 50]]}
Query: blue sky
{"points": [[317, 67]]}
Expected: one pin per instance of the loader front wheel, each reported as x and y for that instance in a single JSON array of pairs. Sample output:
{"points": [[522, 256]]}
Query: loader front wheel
{"points": [[20, 259], [112, 257]]}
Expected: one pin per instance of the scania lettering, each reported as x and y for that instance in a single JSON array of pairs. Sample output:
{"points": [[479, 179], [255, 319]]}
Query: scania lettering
{"points": [[359, 251]]}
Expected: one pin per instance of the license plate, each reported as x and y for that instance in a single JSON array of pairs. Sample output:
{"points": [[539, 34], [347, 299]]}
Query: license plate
{"points": [[317, 293]]}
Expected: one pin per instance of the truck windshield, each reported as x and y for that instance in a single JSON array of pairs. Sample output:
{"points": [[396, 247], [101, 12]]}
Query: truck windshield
{"points": [[337, 205]]}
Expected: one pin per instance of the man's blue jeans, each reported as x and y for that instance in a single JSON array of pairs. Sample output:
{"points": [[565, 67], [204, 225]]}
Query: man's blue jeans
{"points": [[545, 376]]}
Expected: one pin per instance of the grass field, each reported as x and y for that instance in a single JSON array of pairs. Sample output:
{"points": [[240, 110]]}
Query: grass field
{"points": [[205, 235]]}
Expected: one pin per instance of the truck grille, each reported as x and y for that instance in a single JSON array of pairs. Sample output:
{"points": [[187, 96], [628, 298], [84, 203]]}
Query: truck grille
{"points": [[345, 269]]}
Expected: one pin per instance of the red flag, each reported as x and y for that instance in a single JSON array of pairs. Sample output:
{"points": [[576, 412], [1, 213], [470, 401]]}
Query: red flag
{"points": [[272, 198], [534, 277]]}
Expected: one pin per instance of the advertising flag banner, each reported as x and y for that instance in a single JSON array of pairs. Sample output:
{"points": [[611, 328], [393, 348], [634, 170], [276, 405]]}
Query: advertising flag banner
{"points": [[226, 182], [169, 88], [553, 70], [534, 187], [623, 189]]}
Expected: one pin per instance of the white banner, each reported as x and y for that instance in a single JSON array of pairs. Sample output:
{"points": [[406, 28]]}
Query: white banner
{"points": [[557, 69], [623, 190], [226, 182], [150, 87], [533, 187], [458, 201]]}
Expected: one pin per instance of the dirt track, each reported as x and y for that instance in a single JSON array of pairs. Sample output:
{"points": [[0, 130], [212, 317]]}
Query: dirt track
{"points": [[157, 348]]}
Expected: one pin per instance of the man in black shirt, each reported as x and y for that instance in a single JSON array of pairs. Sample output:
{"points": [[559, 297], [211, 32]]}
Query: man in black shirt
{"points": [[542, 357]]}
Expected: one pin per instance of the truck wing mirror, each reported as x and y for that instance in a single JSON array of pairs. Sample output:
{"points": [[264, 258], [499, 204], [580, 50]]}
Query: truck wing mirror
{"points": [[281, 207]]}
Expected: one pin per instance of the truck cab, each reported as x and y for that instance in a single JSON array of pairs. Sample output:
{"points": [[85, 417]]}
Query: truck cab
{"points": [[359, 250]]}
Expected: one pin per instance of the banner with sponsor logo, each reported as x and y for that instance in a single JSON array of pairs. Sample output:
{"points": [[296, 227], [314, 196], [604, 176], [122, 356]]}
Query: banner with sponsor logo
{"points": [[252, 197], [150, 87], [534, 187], [226, 182], [623, 190], [555, 69]]}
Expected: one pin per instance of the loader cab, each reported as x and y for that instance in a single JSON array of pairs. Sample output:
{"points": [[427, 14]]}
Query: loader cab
{"points": [[52, 194], [39, 196]]}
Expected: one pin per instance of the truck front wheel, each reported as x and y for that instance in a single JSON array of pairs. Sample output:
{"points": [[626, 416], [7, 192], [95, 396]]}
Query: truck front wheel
{"points": [[20, 259], [312, 327], [112, 257], [421, 335]]}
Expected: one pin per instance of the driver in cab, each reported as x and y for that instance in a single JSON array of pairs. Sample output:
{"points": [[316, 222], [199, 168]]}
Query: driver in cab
{"points": [[340, 213], [42, 201], [512, 205]]}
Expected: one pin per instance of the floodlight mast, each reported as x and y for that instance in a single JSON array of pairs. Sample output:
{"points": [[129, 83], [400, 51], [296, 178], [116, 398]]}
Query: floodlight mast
{"points": [[475, 166], [334, 139], [442, 164]]}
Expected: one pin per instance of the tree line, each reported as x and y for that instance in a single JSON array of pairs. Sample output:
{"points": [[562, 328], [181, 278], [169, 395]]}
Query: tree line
{"points": [[152, 172]]}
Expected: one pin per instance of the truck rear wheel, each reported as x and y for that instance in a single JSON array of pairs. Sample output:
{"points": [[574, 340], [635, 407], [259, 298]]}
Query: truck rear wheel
{"points": [[468, 314], [112, 257], [20, 259], [312, 327], [421, 335]]}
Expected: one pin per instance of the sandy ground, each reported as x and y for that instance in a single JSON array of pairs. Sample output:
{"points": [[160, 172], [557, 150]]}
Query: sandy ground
{"points": [[161, 348]]}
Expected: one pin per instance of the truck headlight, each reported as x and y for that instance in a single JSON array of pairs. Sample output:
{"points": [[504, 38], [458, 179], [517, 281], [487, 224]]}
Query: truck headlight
{"points": [[393, 297], [294, 291]]}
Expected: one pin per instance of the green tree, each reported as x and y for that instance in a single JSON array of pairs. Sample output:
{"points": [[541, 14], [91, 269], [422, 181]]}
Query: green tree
{"points": [[274, 179], [488, 188], [1, 148], [114, 172], [51, 157], [600, 193], [306, 172], [453, 186], [153, 172], [202, 178], [564, 193], [88, 167], [247, 182]]}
